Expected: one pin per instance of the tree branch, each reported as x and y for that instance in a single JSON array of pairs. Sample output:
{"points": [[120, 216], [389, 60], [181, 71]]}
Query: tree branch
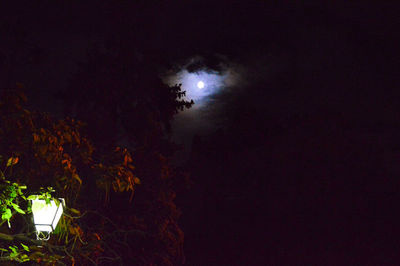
{"points": [[30, 241]]}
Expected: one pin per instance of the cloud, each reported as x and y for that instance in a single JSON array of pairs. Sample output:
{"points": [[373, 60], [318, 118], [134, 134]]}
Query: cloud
{"points": [[220, 78], [217, 77]]}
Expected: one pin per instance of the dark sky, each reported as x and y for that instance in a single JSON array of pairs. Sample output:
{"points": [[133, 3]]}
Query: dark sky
{"points": [[286, 58], [265, 40]]}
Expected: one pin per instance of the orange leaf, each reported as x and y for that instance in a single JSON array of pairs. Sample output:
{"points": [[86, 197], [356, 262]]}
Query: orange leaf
{"points": [[136, 180], [126, 160], [97, 236], [75, 176], [12, 161], [35, 138]]}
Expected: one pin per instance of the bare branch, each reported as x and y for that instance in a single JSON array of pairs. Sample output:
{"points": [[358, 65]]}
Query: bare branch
{"points": [[92, 261], [75, 217]]}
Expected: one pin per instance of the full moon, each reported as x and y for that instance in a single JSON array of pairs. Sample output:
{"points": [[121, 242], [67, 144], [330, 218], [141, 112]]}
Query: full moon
{"points": [[200, 84]]}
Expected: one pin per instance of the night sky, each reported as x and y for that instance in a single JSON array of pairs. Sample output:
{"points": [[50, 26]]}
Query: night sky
{"points": [[292, 143]]}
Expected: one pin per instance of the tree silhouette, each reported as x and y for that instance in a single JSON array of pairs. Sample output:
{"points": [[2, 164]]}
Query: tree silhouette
{"points": [[122, 98]]}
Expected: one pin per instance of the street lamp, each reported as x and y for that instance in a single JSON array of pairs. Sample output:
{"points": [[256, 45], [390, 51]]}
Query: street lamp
{"points": [[46, 216]]}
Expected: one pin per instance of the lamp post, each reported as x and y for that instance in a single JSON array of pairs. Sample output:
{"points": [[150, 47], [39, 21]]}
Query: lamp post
{"points": [[46, 216]]}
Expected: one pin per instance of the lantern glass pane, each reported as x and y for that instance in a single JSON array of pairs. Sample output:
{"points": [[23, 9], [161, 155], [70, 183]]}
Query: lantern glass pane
{"points": [[58, 215], [46, 216], [43, 228]]}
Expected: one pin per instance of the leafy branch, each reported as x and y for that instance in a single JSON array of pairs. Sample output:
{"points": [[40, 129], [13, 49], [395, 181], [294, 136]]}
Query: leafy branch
{"points": [[10, 195]]}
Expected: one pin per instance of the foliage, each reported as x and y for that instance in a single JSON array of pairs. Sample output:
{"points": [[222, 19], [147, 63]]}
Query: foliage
{"points": [[118, 175], [10, 194], [108, 157], [12, 197], [17, 254], [50, 153], [56, 156], [9, 200]]}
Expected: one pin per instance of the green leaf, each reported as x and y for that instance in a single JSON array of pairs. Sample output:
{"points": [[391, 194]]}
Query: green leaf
{"points": [[13, 249], [75, 211], [32, 197], [25, 247], [13, 193], [20, 188], [6, 215], [2, 249], [24, 258], [17, 208], [56, 201]]}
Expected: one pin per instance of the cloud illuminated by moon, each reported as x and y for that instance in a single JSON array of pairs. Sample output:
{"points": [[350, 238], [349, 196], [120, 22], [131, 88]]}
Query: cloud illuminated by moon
{"points": [[199, 86], [208, 100]]}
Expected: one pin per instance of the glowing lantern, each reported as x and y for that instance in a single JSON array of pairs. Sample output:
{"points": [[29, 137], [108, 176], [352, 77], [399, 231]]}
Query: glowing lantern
{"points": [[46, 215]]}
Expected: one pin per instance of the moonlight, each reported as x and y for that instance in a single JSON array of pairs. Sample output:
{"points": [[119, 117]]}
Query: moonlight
{"points": [[200, 84]]}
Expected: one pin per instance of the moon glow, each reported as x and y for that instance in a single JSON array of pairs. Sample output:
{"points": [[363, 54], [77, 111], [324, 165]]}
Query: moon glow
{"points": [[200, 84]]}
